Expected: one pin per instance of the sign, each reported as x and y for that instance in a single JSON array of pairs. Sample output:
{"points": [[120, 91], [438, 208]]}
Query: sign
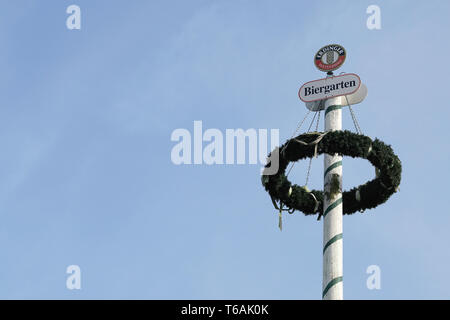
{"points": [[329, 87], [330, 57], [350, 99], [356, 97]]}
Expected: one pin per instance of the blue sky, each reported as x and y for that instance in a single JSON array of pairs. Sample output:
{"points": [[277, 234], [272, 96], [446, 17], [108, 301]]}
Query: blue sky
{"points": [[86, 176]]}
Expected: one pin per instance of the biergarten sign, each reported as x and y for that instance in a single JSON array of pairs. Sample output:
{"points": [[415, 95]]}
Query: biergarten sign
{"points": [[329, 87]]}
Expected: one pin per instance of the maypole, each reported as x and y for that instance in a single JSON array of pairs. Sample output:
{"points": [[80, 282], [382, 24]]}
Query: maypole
{"points": [[332, 283], [331, 94]]}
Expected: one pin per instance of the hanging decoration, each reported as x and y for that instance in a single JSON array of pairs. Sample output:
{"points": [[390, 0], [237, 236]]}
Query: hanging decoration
{"points": [[345, 143]]}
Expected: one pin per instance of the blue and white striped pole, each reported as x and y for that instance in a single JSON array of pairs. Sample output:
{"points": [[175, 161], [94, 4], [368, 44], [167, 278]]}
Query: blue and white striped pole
{"points": [[332, 284]]}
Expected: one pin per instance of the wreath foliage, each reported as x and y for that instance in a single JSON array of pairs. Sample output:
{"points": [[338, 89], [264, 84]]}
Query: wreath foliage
{"points": [[345, 143]]}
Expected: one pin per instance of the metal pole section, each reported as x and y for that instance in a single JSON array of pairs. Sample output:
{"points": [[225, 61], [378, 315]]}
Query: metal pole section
{"points": [[332, 283]]}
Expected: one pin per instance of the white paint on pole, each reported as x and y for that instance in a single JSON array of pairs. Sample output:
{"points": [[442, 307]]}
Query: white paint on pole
{"points": [[332, 284]]}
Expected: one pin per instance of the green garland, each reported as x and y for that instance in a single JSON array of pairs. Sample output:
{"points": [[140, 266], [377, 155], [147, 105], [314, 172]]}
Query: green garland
{"points": [[345, 143]]}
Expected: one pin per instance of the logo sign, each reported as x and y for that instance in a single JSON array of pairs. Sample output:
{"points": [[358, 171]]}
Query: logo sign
{"points": [[350, 99], [329, 87], [330, 57]]}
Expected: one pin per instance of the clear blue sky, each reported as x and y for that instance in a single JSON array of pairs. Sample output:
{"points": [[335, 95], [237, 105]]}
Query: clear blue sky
{"points": [[86, 176]]}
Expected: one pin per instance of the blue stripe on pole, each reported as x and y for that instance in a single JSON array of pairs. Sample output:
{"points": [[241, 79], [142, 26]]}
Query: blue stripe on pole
{"points": [[332, 240], [332, 108], [330, 284], [332, 206], [334, 165]]}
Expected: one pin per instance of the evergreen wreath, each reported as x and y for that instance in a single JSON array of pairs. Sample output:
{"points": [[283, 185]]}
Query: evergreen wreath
{"points": [[367, 196]]}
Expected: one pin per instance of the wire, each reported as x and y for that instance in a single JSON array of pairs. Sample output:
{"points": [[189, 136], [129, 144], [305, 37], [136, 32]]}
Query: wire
{"points": [[316, 114], [298, 128], [355, 121], [310, 159]]}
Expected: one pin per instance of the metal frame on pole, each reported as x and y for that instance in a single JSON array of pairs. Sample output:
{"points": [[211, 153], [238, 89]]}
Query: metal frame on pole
{"points": [[332, 283]]}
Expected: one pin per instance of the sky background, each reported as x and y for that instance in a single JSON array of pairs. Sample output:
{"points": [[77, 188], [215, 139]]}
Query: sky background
{"points": [[86, 176]]}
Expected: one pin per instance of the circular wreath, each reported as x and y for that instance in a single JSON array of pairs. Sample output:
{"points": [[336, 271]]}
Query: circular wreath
{"points": [[345, 143]]}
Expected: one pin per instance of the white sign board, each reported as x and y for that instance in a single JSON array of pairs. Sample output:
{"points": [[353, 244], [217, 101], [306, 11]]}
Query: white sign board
{"points": [[350, 99], [329, 87], [356, 97]]}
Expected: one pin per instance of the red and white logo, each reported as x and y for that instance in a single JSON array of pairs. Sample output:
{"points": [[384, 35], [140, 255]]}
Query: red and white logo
{"points": [[330, 57]]}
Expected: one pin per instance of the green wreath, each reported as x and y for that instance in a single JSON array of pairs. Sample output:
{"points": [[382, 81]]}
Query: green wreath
{"points": [[345, 143]]}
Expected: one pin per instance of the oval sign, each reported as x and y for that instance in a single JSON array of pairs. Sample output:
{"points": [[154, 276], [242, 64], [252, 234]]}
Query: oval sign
{"points": [[329, 87], [350, 99], [330, 57]]}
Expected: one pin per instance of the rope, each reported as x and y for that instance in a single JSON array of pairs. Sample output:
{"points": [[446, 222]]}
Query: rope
{"points": [[298, 128], [280, 207], [310, 160], [309, 129], [312, 121], [315, 142], [355, 121], [280, 211]]}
